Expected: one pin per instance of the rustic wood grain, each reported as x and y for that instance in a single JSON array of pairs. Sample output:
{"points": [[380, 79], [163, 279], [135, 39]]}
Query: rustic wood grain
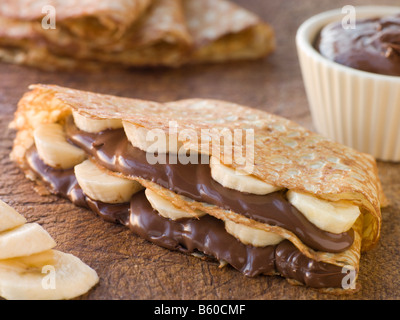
{"points": [[131, 268]]}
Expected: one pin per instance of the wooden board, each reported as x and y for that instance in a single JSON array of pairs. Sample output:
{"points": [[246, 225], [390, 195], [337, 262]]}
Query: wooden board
{"points": [[131, 268]]}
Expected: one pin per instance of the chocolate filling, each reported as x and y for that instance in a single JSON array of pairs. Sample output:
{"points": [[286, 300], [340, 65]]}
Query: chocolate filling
{"points": [[206, 234], [373, 46], [112, 150]]}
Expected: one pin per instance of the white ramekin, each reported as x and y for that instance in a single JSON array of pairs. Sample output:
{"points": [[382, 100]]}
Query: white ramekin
{"points": [[356, 108]]}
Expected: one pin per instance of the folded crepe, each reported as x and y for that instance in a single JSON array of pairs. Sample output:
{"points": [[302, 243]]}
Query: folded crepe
{"points": [[131, 33], [273, 198]]}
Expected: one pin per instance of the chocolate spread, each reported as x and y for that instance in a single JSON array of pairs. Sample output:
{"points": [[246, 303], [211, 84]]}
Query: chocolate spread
{"points": [[373, 46], [206, 234], [112, 150]]}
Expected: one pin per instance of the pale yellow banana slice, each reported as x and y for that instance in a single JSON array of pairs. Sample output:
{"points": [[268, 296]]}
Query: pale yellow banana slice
{"points": [[152, 141], [98, 184], [335, 217], [232, 179], [9, 217], [49, 275], [167, 209], [88, 124], [53, 147], [24, 240], [252, 236]]}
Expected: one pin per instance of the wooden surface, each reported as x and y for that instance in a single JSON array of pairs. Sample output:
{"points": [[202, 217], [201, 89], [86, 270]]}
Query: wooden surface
{"points": [[131, 268]]}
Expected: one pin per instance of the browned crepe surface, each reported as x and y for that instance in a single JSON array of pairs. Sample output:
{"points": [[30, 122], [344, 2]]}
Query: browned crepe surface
{"points": [[89, 19], [157, 32]]}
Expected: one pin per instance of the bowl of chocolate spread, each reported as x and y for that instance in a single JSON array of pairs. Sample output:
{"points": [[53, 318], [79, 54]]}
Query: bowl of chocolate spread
{"points": [[350, 62]]}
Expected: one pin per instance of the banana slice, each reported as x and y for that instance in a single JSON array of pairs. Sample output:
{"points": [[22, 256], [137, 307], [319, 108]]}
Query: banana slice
{"points": [[95, 125], [53, 147], [167, 209], [156, 141], [24, 240], [335, 217], [252, 236], [9, 217], [49, 275], [100, 185], [231, 179]]}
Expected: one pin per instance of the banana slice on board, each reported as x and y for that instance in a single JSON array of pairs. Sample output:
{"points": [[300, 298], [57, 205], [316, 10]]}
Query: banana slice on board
{"points": [[53, 147], [9, 217], [100, 185], [335, 217], [252, 236], [30, 269], [24, 240], [95, 125], [231, 179], [167, 209], [49, 275]]}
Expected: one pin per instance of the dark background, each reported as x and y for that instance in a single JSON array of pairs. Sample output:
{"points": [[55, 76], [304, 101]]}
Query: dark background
{"points": [[131, 268]]}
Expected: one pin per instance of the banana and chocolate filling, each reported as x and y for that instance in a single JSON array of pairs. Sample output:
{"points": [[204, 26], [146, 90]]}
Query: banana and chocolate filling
{"points": [[112, 150], [206, 234]]}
